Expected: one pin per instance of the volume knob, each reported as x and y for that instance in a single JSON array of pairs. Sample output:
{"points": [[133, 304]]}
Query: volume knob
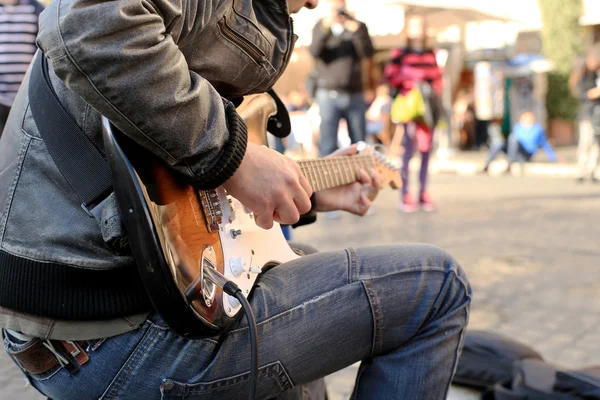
{"points": [[237, 266]]}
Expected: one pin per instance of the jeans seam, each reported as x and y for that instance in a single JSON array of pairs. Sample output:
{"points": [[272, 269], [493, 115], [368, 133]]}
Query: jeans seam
{"points": [[125, 372], [459, 347], [377, 317], [352, 265], [274, 369]]}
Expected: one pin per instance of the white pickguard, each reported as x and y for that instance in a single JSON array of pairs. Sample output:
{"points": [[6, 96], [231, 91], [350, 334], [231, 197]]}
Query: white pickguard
{"points": [[248, 246]]}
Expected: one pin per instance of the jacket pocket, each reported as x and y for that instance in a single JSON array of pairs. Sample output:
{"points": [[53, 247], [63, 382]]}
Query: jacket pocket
{"points": [[253, 51], [272, 380]]}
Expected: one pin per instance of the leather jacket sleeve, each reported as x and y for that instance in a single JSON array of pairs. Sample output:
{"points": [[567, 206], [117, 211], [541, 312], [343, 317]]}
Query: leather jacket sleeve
{"points": [[122, 57]]}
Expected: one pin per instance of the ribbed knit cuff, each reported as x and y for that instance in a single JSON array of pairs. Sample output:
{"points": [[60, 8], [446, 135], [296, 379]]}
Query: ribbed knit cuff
{"points": [[310, 216], [232, 154]]}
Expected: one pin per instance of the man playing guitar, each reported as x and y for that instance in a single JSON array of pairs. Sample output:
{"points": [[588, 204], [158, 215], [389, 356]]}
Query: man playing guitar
{"points": [[75, 316]]}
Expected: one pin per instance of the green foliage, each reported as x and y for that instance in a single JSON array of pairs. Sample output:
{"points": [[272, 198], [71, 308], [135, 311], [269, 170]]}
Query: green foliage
{"points": [[562, 44], [559, 101]]}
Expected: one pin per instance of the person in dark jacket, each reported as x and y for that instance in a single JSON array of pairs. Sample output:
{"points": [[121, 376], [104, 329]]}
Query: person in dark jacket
{"points": [[585, 84], [343, 49]]}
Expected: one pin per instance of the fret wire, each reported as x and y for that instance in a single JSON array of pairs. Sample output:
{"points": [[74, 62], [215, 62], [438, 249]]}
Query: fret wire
{"points": [[338, 171], [347, 165], [317, 177], [342, 169], [303, 169], [328, 174], [335, 172], [342, 164], [355, 168], [307, 171], [312, 176], [325, 173]]}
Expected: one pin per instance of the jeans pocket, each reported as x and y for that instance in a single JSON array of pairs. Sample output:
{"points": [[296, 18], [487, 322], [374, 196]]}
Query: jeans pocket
{"points": [[272, 380]]}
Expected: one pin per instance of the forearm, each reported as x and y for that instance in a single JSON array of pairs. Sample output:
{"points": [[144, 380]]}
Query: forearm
{"points": [[550, 152], [126, 65]]}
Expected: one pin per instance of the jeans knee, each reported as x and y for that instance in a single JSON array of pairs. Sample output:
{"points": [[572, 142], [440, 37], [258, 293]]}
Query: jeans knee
{"points": [[456, 285]]}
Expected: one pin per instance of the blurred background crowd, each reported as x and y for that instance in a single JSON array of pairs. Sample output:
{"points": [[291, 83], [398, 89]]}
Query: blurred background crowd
{"points": [[485, 74]]}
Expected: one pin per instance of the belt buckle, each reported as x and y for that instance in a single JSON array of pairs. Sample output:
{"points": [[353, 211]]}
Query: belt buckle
{"points": [[76, 351], [94, 211]]}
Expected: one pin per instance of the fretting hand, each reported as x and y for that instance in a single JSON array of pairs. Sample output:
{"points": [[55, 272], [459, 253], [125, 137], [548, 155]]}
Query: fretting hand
{"points": [[356, 197]]}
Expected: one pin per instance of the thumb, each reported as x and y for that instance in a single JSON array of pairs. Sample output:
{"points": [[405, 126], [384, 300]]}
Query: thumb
{"points": [[348, 151]]}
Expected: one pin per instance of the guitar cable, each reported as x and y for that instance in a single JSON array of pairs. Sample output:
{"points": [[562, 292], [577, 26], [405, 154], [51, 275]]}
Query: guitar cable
{"points": [[233, 290]]}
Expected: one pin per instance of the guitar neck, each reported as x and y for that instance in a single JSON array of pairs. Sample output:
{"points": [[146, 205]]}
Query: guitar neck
{"points": [[327, 173]]}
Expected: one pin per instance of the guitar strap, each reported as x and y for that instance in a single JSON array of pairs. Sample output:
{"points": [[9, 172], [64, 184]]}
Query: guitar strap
{"points": [[80, 162]]}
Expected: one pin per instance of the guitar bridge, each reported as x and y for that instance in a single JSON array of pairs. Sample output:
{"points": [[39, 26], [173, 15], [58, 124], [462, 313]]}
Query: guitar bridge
{"points": [[213, 211]]}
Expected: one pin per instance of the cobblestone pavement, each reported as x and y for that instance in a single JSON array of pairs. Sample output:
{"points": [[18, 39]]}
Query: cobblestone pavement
{"points": [[529, 246]]}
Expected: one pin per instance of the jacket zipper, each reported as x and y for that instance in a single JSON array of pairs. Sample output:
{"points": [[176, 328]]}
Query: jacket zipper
{"points": [[247, 46]]}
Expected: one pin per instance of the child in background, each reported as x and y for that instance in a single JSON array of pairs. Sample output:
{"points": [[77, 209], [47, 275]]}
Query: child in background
{"points": [[524, 141]]}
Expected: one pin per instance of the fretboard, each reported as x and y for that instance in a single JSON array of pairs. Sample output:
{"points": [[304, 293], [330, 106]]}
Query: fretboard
{"points": [[327, 173]]}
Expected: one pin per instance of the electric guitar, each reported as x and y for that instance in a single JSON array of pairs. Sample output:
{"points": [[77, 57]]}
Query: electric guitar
{"points": [[176, 232]]}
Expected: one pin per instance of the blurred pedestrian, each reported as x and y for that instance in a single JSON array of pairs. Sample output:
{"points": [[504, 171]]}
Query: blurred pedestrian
{"points": [[378, 117], [464, 118], [18, 30], [416, 79], [343, 51], [524, 141], [585, 84]]}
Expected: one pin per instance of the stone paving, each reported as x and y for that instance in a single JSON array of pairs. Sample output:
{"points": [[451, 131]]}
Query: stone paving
{"points": [[529, 246]]}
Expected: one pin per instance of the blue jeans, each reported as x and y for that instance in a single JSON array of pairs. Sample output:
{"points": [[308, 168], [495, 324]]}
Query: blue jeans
{"points": [[514, 150], [401, 310], [333, 107], [409, 141]]}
